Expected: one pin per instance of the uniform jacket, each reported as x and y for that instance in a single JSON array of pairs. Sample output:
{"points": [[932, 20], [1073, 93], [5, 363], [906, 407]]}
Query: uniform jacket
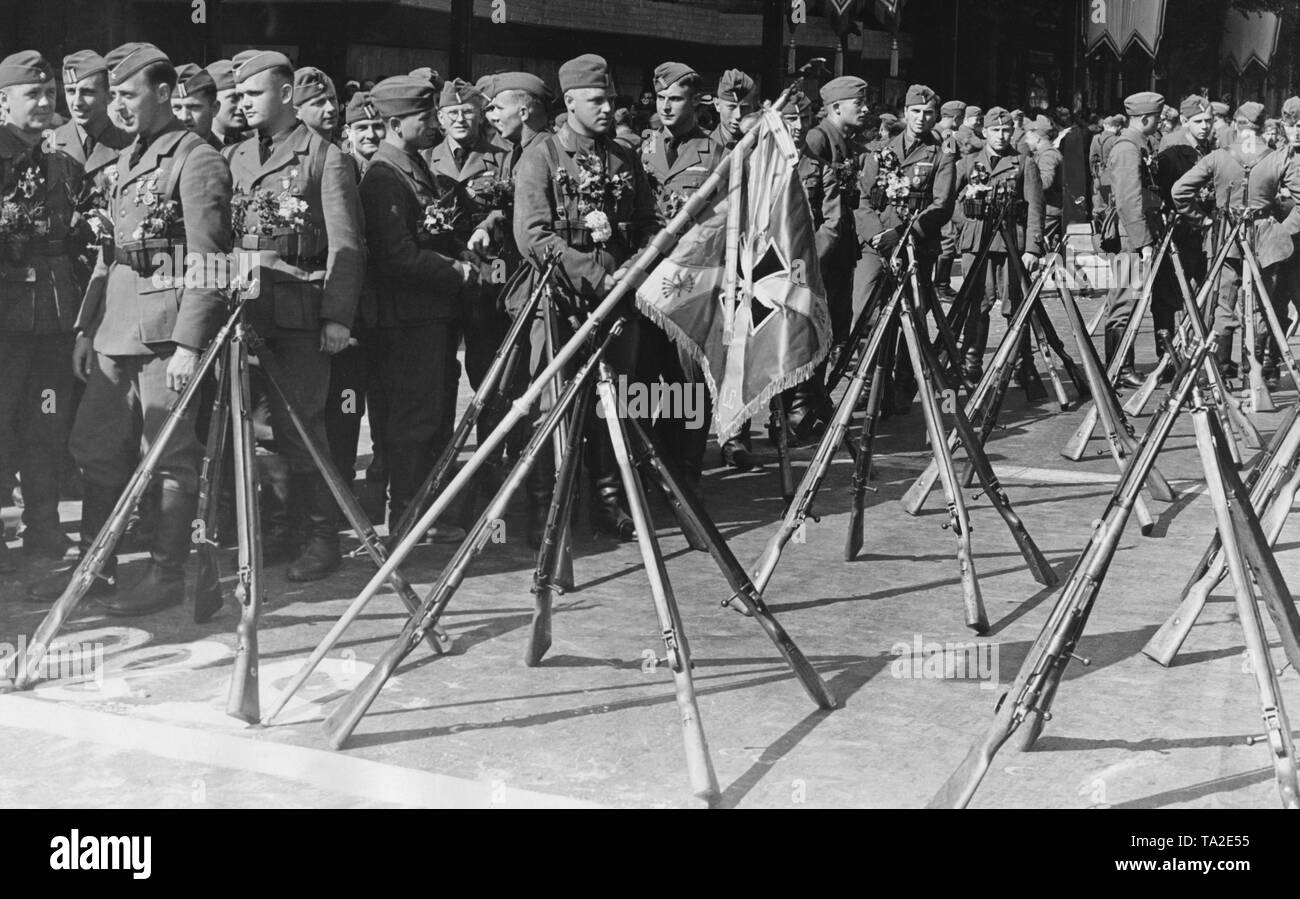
{"points": [[830, 179], [484, 161], [723, 139], [1275, 186], [1022, 173], [1134, 190], [130, 314], [540, 204], [1178, 152], [697, 156], [1052, 177], [411, 282], [968, 142], [38, 277], [298, 298], [1225, 172], [497, 223], [1076, 189], [109, 142], [935, 163]]}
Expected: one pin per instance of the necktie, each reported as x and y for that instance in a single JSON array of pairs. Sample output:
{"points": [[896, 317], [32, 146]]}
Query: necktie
{"points": [[264, 147], [459, 155], [137, 154], [88, 146], [670, 149]]}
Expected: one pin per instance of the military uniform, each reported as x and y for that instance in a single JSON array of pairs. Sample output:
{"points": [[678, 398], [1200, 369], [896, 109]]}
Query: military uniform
{"points": [[956, 110], [550, 217], [39, 297], [311, 274], [136, 318], [418, 293], [1051, 175], [969, 141], [1274, 187]]}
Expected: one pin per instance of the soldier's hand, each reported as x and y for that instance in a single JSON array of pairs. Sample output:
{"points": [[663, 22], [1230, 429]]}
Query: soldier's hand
{"points": [[334, 337], [181, 369], [468, 272], [83, 357], [479, 242], [1145, 254], [1029, 260], [885, 241]]}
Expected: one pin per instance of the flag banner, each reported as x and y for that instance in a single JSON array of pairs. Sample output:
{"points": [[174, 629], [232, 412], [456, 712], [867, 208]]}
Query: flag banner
{"points": [[1249, 37], [1121, 23], [844, 14], [767, 327]]}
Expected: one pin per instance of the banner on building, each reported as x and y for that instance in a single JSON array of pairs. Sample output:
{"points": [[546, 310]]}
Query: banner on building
{"points": [[1119, 24], [1250, 37]]}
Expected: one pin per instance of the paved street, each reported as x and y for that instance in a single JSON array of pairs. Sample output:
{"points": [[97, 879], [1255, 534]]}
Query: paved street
{"points": [[595, 724]]}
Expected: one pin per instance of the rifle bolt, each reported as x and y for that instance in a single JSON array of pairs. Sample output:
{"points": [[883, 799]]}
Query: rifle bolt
{"points": [[1082, 660]]}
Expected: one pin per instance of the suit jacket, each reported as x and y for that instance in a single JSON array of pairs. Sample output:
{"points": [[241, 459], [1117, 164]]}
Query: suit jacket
{"points": [[697, 156], [129, 314], [540, 204], [1022, 174], [935, 163], [109, 142], [830, 179], [40, 279], [1135, 191], [1225, 171], [1075, 176], [1275, 186], [410, 281], [1177, 154], [295, 298], [484, 161]]}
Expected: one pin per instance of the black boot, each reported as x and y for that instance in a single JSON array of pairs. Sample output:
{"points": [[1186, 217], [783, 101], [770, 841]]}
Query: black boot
{"points": [[807, 409], [943, 278], [1164, 346], [321, 554], [1128, 376], [539, 490], [1224, 355], [163, 584], [736, 452], [281, 519], [975, 340], [96, 505], [607, 515], [1264, 352], [1027, 377]]}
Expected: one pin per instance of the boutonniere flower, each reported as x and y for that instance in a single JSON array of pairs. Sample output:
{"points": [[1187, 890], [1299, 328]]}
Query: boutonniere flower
{"points": [[598, 222], [159, 219], [438, 219]]}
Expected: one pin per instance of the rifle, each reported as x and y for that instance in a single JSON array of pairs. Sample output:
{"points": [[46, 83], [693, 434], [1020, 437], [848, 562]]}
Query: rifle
{"points": [[862, 463], [1027, 702], [207, 580], [243, 700]]}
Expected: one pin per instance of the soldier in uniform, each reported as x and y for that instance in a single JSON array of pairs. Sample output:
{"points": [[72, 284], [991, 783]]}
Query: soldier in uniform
{"points": [[596, 235], [89, 137], [228, 124], [38, 302], [1039, 136], [418, 290], [1137, 202], [950, 114], [1012, 179], [312, 270], [1099, 157], [140, 331], [736, 98], [365, 131], [1222, 125], [970, 136], [195, 103], [1274, 185], [317, 102]]}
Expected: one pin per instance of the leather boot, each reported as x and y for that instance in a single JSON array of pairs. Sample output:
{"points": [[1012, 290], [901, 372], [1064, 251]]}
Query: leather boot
{"points": [[975, 340], [96, 505], [1128, 375], [1264, 353], [807, 411], [539, 490], [321, 554], [1274, 361], [1164, 344], [735, 452], [943, 278], [608, 517], [1224, 355], [1027, 377], [281, 538], [163, 583]]}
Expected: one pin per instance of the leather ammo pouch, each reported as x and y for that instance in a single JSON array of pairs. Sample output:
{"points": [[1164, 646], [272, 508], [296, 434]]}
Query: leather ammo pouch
{"points": [[144, 257], [577, 235], [304, 249]]}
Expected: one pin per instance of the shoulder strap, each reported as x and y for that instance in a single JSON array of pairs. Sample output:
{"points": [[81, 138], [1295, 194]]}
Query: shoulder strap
{"points": [[318, 156], [184, 147]]}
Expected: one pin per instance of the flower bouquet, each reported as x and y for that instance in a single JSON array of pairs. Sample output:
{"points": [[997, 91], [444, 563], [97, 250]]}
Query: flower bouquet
{"points": [[22, 214], [595, 190], [270, 219]]}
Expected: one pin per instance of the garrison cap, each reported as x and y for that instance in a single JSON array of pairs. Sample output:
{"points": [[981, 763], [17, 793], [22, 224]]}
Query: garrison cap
{"points": [[954, 108], [669, 73], [458, 92], [428, 74], [585, 71], [998, 116], [129, 59], [223, 74], [82, 64], [1144, 103], [974, 112], [846, 87], [360, 109], [25, 67], [1291, 110], [187, 71], [491, 85], [1250, 113], [921, 95], [1193, 106], [403, 95], [199, 81], [797, 104], [1018, 112], [254, 62], [1042, 124], [1219, 108], [736, 87], [309, 83]]}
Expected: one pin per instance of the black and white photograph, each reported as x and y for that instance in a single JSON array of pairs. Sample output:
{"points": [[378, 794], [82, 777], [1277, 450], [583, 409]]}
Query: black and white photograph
{"points": [[651, 404]]}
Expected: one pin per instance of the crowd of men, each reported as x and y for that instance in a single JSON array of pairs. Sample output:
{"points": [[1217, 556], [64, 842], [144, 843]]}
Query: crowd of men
{"points": [[389, 219]]}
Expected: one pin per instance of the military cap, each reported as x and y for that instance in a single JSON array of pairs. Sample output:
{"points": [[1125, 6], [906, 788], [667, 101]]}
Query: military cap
{"points": [[669, 73], [223, 74], [309, 83], [1017, 112], [403, 95], [491, 85], [186, 71], [1291, 110], [360, 109], [1144, 103], [736, 87], [254, 62], [1118, 120], [458, 92], [1169, 113], [974, 112], [921, 95], [25, 67], [199, 81], [428, 74], [1042, 124], [1250, 113], [129, 59], [797, 104], [997, 116], [888, 118], [845, 87], [954, 108], [82, 64], [585, 71], [1193, 106], [1219, 108]]}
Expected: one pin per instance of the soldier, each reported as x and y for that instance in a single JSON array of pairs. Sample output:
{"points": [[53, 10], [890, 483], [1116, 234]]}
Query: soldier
{"points": [[677, 159], [195, 103], [365, 130], [1274, 185], [228, 124], [950, 114], [1222, 125], [317, 102], [311, 277], [418, 290], [1099, 157], [1017, 129], [597, 231], [1014, 180], [89, 137], [38, 301], [1039, 135], [141, 330], [970, 136], [1137, 203], [737, 97]]}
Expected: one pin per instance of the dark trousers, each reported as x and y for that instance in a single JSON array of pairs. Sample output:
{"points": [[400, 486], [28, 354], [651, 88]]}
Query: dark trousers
{"points": [[1166, 295], [36, 409], [304, 373], [125, 404], [484, 326], [344, 405]]}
